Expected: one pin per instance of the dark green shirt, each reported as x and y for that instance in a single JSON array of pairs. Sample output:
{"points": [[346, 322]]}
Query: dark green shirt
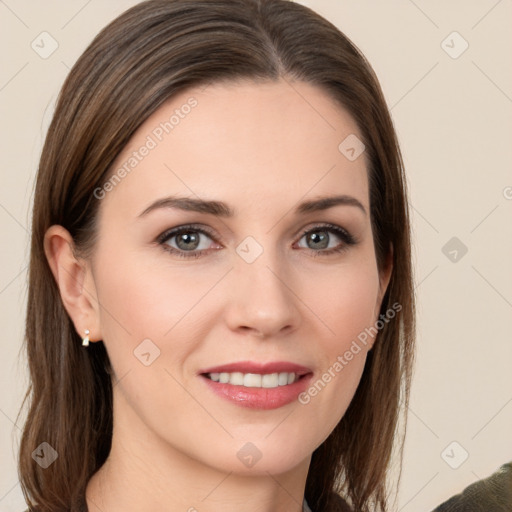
{"points": [[492, 494]]}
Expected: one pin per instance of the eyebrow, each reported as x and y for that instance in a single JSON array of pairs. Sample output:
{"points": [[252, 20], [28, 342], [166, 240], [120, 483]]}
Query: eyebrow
{"points": [[221, 209]]}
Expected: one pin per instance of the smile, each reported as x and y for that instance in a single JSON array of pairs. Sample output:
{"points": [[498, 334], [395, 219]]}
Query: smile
{"points": [[254, 380]]}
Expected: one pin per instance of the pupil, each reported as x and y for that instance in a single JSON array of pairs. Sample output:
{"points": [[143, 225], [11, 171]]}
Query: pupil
{"points": [[319, 239], [190, 240]]}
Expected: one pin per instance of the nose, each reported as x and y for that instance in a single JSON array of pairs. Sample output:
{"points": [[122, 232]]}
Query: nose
{"points": [[262, 301]]}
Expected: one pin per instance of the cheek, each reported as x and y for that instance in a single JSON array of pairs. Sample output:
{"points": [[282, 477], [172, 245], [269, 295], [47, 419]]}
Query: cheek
{"points": [[147, 313], [344, 301], [142, 299], [345, 306]]}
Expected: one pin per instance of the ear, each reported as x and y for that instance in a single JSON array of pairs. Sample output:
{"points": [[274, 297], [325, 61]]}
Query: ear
{"points": [[74, 280], [384, 278]]}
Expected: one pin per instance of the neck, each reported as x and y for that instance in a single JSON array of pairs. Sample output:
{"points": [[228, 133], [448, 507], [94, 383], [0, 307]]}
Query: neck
{"points": [[144, 473]]}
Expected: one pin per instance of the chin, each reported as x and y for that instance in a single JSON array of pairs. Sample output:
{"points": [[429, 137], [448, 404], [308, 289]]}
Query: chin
{"points": [[260, 457]]}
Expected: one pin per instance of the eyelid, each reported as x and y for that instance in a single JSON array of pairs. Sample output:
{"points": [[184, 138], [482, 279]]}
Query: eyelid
{"points": [[347, 238], [328, 227], [184, 227]]}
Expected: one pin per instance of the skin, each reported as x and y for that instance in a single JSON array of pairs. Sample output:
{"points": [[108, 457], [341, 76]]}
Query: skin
{"points": [[262, 149]]}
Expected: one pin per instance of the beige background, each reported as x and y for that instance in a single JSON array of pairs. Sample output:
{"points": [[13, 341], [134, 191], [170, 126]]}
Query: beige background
{"points": [[454, 120]]}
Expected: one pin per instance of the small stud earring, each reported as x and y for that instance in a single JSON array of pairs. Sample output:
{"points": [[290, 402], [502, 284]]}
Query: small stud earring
{"points": [[85, 341]]}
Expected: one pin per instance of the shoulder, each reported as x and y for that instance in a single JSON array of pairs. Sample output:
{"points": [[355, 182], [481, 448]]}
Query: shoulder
{"points": [[491, 494]]}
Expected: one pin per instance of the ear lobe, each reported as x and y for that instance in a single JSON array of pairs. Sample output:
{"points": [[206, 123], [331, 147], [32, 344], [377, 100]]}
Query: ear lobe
{"points": [[70, 274]]}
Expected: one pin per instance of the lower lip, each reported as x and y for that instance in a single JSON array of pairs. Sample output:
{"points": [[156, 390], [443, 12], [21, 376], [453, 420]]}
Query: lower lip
{"points": [[259, 398]]}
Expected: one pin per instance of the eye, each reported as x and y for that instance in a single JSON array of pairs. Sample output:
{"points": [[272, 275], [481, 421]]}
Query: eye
{"points": [[189, 241], [185, 241], [318, 239]]}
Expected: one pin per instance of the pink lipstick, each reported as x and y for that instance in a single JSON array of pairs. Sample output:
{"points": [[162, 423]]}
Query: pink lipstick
{"points": [[258, 385]]}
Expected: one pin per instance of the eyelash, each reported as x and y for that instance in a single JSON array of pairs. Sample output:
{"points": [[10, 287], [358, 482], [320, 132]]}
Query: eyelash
{"points": [[347, 239]]}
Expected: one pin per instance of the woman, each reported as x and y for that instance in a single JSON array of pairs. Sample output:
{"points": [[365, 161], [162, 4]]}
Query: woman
{"points": [[221, 309]]}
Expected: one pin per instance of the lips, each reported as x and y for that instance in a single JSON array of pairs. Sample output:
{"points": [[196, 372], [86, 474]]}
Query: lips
{"points": [[240, 383], [258, 368]]}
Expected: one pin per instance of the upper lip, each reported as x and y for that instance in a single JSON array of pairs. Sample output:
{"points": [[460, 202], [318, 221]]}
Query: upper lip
{"points": [[259, 368]]}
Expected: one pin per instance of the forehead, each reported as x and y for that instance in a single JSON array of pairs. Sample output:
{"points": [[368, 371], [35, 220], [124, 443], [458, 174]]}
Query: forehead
{"points": [[242, 142]]}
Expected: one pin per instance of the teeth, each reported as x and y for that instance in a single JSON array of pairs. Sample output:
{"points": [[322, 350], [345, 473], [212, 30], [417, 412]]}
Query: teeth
{"points": [[254, 380], [251, 380]]}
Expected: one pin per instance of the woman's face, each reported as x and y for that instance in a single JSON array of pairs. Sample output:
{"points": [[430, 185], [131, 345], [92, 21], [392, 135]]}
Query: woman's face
{"points": [[275, 283]]}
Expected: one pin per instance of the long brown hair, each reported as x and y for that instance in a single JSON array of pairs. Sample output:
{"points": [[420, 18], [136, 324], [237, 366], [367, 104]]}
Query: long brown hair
{"points": [[144, 57]]}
